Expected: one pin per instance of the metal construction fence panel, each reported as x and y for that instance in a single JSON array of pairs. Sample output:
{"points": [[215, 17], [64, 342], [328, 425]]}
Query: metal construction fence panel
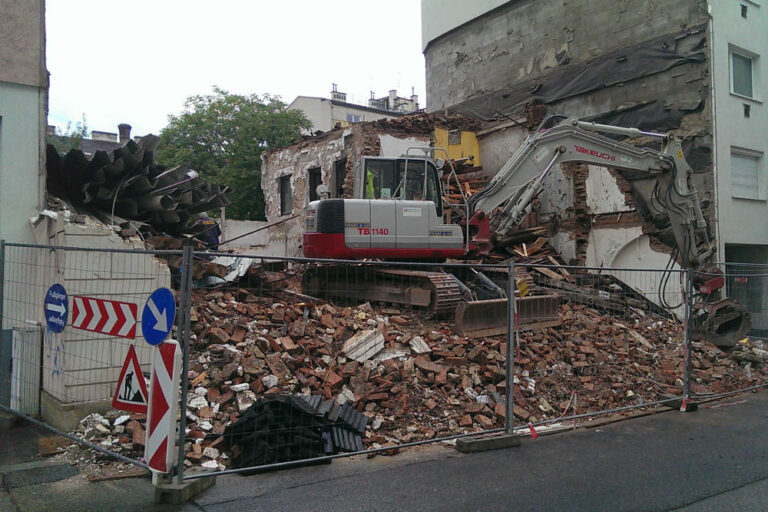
{"points": [[69, 317], [290, 361], [617, 341], [748, 284], [293, 359]]}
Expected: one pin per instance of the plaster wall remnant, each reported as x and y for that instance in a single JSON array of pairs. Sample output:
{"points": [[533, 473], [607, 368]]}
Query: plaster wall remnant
{"points": [[629, 248], [603, 192]]}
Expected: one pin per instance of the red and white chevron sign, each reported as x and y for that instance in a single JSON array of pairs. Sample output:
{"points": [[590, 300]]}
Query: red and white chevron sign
{"points": [[104, 316], [159, 449]]}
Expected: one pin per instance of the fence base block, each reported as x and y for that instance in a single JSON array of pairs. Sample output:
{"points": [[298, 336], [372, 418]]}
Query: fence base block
{"points": [[489, 442], [176, 494], [677, 404]]}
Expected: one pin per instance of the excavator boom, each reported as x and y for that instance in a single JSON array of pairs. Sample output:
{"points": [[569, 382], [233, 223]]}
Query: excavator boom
{"points": [[522, 178]]}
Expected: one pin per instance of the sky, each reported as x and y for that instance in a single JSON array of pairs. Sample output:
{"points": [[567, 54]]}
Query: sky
{"points": [[136, 62]]}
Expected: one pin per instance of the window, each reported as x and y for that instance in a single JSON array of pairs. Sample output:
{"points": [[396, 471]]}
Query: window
{"points": [[340, 174], [743, 11], [387, 179], [315, 179], [741, 75], [286, 197], [353, 118], [414, 187], [745, 175], [380, 179]]}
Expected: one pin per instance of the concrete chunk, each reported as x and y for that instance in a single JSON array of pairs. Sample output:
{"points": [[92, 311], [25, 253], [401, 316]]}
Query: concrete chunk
{"points": [[419, 346], [364, 345]]}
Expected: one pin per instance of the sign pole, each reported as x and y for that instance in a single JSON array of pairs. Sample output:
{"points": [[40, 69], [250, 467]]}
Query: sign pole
{"points": [[2, 284], [185, 289], [509, 367]]}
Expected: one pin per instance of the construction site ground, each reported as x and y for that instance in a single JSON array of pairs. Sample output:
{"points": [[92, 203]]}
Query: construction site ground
{"points": [[713, 459]]}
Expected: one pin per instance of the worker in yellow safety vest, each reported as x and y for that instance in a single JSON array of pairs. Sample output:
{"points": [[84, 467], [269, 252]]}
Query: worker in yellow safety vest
{"points": [[369, 187]]}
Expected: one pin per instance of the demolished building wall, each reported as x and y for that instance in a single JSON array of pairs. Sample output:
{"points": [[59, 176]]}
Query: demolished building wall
{"points": [[648, 70]]}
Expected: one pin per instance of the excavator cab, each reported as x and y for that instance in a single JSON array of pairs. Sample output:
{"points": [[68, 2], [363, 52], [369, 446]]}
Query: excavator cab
{"points": [[400, 178], [396, 213]]}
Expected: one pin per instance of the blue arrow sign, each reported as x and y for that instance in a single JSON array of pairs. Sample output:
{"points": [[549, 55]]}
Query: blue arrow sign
{"points": [[158, 315], [56, 308]]}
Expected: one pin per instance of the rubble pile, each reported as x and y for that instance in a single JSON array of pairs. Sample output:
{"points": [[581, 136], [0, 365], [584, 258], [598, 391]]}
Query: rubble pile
{"points": [[427, 122], [413, 379], [418, 380]]}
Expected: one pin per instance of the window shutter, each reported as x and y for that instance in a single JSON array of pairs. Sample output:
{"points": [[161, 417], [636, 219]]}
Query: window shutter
{"points": [[744, 181]]}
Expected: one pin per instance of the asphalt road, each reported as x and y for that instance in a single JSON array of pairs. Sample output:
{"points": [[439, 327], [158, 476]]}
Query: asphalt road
{"points": [[712, 460]]}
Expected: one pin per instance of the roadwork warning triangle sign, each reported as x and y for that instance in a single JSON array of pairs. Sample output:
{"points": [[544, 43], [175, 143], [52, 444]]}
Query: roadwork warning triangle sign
{"points": [[131, 394]]}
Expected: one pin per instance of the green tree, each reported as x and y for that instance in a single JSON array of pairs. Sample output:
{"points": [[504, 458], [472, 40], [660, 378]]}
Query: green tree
{"points": [[64, 140], [223, 135]]}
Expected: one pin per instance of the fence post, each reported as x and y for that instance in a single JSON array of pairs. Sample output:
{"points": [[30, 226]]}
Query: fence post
{"points": [[2, 285], [509, 419], [687, 353], [185, 290]]}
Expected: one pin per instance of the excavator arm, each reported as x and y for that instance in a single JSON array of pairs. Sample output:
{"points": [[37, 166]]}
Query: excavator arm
{"points": [[673, 195], [563, 140]]}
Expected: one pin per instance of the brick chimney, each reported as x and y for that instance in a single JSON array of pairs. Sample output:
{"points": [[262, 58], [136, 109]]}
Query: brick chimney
{"points": [[125, 132]]}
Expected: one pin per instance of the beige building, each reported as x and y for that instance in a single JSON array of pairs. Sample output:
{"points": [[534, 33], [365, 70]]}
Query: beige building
{"points": [[336, 112]]}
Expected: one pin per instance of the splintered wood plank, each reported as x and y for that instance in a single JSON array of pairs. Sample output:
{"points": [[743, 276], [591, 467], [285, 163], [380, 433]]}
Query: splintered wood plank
{"points": [[567, 275], [549, 273], [537, 245]]}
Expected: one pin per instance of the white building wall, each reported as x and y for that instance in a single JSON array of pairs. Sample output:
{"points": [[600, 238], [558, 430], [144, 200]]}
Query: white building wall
{"points": [[395, 147], [23, 106], [630, 249], [82, 366], [741, 221], [317, 110], [21, 177], [244, 228]]}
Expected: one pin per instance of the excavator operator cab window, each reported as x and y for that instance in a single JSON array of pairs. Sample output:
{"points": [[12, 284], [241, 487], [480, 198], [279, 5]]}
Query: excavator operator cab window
{"points": [[386, 179], [416, 188], [380, 179]]}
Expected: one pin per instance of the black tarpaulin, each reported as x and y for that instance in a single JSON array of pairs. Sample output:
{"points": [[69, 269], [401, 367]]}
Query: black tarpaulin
{"points": [[616, 67]]}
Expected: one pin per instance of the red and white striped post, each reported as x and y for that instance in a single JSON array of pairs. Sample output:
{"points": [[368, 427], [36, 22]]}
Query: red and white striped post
{"points": [[159, 451]]}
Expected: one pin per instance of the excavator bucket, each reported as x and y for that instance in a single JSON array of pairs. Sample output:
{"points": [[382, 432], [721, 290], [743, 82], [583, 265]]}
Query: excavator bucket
{"points": [[722, 323], [490, 317]]}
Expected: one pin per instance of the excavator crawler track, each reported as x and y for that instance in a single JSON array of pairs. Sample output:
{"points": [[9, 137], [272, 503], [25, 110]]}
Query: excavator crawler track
{"points": [[432, 293]]}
